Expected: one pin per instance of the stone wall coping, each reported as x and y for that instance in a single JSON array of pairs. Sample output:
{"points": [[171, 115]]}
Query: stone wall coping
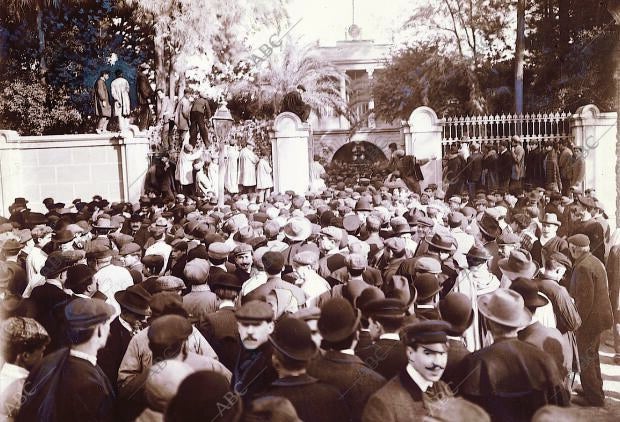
{"points": [[11, 140]]}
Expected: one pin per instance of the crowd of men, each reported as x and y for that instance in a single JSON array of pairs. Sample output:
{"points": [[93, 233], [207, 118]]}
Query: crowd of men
{"points": [[364, 302]]}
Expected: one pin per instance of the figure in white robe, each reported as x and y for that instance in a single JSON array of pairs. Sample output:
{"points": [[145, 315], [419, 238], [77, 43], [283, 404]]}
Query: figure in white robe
{"points": [[264, 179], [120, 94], [247, 167], [231, 181], [185, 164], [317, 172]]}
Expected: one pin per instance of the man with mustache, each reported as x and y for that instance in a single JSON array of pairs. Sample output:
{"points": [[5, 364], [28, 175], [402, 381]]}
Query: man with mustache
{"points": [[253, 371], [411, 391]]}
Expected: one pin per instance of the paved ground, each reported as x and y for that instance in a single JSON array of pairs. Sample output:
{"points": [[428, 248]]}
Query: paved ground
{"points": [[611, 385]]}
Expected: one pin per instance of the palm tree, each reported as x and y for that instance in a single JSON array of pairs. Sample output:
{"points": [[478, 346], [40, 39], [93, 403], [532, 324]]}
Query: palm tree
{"points": [[283, 71], [20, 8]]}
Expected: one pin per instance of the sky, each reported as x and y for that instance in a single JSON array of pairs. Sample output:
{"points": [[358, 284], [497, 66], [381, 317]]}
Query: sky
{"points": [[327, 20]]}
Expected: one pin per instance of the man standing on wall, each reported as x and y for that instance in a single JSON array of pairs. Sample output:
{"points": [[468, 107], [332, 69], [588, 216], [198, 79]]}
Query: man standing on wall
{"points": [[103, 109], [199, 115], [120, 94], [145, 93]]}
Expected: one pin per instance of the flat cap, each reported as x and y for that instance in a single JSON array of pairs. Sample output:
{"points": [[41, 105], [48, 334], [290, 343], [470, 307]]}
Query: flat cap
{"points": [[332, 232], [395, 244], [425, 332], [242, 249], [56, 263], [98, 251], [82, 313], [196, 271], [129, 248], [425, 221], [560, 258], [306, 258], [218, 250], [508, 238], [254, 311], [22, 331], [356, 261], [166, 303], [428, 264], [152, 260], [168, 283], [308, 314], [455, 219], [168, 330], [580, 240]]}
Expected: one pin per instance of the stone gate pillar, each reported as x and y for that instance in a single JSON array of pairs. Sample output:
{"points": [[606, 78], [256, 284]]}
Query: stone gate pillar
{"points": [[595, 132], [422, 133], [290, 154]]}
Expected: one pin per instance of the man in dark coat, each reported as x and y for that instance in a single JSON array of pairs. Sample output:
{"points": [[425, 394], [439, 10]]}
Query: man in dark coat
{"points": [[474, 173], [338, 366], [134, 303], [253, 371], [145, 96], [588, 287], [504, 166], [220, 327], [457, 311], [294, 103], [534, 378], [584, 207], [313, 400], [613, 276], [408, 395], [68, 385], [103, 108], [199, 116]]}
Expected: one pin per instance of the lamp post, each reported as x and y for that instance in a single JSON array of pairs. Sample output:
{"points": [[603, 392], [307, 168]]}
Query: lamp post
{"points": [[222, 124]]}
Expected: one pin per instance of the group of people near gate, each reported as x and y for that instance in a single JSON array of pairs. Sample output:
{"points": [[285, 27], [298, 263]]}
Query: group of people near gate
{"points": [[362, 302]]}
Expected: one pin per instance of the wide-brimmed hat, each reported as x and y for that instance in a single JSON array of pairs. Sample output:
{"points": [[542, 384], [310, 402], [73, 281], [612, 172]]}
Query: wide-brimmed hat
{"points": [[427, 285], [298, 229], [489, 226], [528, 289], [400, 225], [518, 264], [135, 299], [456, 309], [338, 319], [551, 218], [443, 241], [104, 224], [505, 307], [292, 337]]}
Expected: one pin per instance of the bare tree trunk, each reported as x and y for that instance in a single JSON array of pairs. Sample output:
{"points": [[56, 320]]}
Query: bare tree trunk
{"points": [[564, 36], [41, 50], [160, 68], [519, 56]]}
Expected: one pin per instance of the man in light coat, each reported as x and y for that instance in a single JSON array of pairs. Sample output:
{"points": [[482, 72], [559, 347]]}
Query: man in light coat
{"points": [[518, 158], [120, 94], [247, 167]]}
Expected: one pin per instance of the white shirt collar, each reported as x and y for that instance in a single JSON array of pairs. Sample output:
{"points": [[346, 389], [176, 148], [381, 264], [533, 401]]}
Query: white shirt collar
{"points": [[226, 304], [125, 324], [13, 372], [389, 336], [85, 356], [348, 352], [201, 288], [423, 383]]}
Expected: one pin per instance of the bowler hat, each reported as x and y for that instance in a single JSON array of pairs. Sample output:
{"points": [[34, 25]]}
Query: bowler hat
{"points": [[363, 204], [427, 285], [338, 319], [505, 307], [135, 299], [385, 308], [63, 236], [518, 264], [77, 275], [528, 289], [456, 309], [292, 337], [478, 251], [369, 294]]}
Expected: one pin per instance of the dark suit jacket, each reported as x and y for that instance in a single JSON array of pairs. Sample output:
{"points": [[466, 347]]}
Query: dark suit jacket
{"points": [[230, 268], [109, 358], [220, 331], [504, 165], [253, 372], [589, 289], [49, 302], [511, 380], [143, 86], [387, 357], [355, 380], [313, 400], [456, 354], [474, 163], [401, 400]]}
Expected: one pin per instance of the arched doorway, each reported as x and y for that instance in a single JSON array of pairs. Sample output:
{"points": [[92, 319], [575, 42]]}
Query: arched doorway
{"points": [[359, 153]]}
